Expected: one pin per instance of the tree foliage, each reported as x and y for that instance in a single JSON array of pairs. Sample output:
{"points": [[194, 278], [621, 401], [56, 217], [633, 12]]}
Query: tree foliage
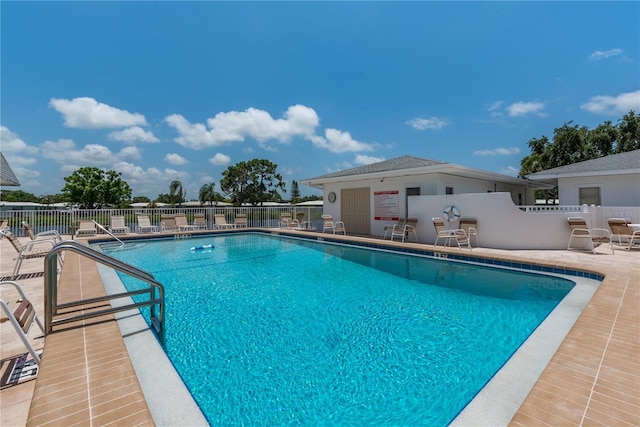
{"points": [[253, 182], [295, 192], [573, 143], [176, 193], [94, 188], [208, 194], [18, 196]]}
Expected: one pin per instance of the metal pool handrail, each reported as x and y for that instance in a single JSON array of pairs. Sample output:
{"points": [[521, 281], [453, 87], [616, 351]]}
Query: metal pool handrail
{"points": [[51, 289]]}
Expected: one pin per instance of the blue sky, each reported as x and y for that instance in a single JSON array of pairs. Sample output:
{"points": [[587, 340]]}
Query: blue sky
{"points": [[181, 90]]}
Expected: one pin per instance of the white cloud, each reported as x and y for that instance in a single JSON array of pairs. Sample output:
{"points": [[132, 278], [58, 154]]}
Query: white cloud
{"points": [[236, 126], [422, 124], [613, 105], [524, 108], [87, 113], [11, 143], [598, 54], [175, 159], [338, 141], [132, 135], [361, 159], [510, 170], [65, 152], [220, 160], [497, 151], [494, 109]]}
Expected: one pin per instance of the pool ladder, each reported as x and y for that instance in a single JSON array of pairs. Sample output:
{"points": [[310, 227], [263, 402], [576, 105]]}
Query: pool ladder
{"points": [[52, 310]]}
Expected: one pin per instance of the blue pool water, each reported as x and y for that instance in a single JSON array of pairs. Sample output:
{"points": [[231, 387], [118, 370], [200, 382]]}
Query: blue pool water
{"points": [[275, 331]]}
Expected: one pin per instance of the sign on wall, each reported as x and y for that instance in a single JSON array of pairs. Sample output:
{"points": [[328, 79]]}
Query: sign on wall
{"points": [[386, 205]]}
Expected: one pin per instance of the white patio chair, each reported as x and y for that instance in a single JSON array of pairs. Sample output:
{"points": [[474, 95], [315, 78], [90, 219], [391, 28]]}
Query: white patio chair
{"points": [[22, 318], [591, 237]]}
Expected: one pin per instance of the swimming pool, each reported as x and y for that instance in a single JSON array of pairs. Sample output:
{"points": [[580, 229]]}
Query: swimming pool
{"points": [[308, 333]]}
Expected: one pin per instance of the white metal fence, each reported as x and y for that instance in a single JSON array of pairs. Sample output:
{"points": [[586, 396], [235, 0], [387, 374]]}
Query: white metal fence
{"points": [[65, 222]]}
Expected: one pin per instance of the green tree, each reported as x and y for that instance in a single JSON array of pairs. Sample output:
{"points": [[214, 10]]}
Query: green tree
{"points": [[94, 188], [207, 194], [176, 192], [629, 133], [252, 182], [295, 192], [141, 199], [18, 196]]}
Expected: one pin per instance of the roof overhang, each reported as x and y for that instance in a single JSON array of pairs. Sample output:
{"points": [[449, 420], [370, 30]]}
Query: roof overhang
{"points": [[554, 177], [446, 168], [7, 177]]}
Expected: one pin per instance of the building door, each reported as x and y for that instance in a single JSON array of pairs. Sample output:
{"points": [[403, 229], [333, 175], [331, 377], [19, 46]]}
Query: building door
{"points": [[355, 210]]}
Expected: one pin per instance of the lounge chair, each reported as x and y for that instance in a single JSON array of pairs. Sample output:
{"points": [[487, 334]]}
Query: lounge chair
{"points": [[302, 224], [389, 229], [592, 237], [32, 249], [470, 227], [285, 220], [241, 221], [144, 225], [335, 226], [200, 221], [620, 228], [458, 235], [22, 318], [168, 223], [404, 231], [221, 222], [182, 224], [4, 225], [118, 226], [47, 235], [87, 227]]}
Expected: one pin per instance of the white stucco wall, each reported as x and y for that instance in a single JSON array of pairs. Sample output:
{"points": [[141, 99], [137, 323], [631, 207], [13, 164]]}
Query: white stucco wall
{"points": [[500, 223], [615, 190], [429, 184]]}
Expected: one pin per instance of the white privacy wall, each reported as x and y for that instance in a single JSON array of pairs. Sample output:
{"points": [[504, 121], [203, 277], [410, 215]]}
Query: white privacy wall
{"points": [[501, 224]]}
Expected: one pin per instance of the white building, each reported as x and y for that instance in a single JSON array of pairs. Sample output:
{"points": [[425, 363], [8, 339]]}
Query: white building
{"points": [[607, 181], [368, 197]]}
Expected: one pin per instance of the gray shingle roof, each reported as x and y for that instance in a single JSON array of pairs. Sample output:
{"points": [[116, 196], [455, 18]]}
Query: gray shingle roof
{"points": [[615, 162], [7, 177], [404, 162]]}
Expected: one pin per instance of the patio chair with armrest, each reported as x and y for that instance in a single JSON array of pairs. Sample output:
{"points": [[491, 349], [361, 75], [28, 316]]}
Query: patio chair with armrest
{"points": [[591, 237], [22, 318], [404, 231], [241, 221], [38, 248], [470, 227], [182, 223], [221, 222], [47, 235], [335, 226], [117, 225], [389, 228], [620, 228], [200, 221], [86, 227], [144, 225], [457, 235], [168, 223], [285, 220]]}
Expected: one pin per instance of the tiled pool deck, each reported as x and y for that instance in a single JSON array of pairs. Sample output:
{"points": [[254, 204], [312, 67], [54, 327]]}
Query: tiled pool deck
{"points": [[86, 376]]}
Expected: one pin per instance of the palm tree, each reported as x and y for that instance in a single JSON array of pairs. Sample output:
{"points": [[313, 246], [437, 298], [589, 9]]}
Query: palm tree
{"points": [[207, 194], [176, 192]]}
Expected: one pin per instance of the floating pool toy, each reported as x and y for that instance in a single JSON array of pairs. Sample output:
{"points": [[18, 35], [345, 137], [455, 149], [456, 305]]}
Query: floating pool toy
{"points": [[198, 248]]}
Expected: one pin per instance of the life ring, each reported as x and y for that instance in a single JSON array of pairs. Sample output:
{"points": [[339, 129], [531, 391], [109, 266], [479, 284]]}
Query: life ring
{"points": [[452, 213], [198, 248]]}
